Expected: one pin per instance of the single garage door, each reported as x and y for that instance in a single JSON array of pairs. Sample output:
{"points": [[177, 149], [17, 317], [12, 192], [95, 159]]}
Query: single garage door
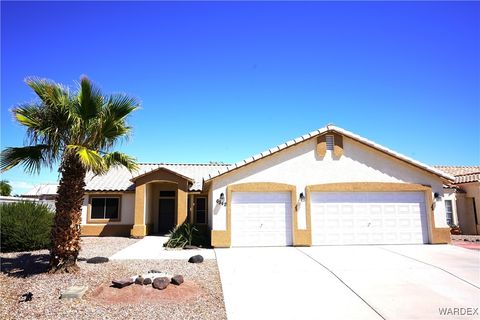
{"points": [[261, 219], [368, 218]]}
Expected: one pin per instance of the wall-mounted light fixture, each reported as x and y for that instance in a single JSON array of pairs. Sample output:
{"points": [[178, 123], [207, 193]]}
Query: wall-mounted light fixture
{"points": [[436, 195], [302, 197], [221, 201]]}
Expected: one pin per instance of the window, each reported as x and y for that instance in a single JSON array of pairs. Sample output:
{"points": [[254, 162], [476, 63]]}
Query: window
{"points": [[105, 208], [167, 194], [449, 212], [201, 210], [330, 142]]}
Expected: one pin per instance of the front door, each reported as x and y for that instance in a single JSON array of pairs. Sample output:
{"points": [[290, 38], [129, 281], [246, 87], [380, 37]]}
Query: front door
{"points": [[166, 214]]}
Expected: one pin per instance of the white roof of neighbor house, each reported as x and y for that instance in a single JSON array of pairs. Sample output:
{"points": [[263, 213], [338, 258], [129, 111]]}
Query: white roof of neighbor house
{"points": [[120, 179], [329, 128], [42, 189]]}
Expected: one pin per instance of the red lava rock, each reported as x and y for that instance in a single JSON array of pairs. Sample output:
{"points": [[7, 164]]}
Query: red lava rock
{"points": [[106, 294]]}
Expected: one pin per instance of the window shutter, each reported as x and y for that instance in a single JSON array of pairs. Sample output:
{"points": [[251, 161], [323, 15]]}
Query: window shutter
{"points": [[321, 146], [338, 145]]}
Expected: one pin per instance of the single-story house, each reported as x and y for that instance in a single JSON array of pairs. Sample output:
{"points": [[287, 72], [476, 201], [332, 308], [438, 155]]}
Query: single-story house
{"points": [[329, 186], [47, 191], [462, 198]]}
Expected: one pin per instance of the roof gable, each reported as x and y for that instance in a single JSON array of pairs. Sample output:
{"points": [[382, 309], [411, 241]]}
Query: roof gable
{"points": [[320, 132]]}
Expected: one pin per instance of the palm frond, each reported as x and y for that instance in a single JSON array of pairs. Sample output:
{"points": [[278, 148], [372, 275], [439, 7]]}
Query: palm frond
{"points": [[116, 158], [31, 157], [90, 100], [121, 105], [51, 93], [89, 158], [28, 115]]}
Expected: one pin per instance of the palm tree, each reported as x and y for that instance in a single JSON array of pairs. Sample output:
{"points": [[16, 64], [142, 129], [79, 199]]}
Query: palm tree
{"points": [[5, 188], [76, 131]]}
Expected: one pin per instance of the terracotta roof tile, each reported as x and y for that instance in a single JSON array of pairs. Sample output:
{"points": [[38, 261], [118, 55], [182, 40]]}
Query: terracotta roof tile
{"points": [[463, 174]]}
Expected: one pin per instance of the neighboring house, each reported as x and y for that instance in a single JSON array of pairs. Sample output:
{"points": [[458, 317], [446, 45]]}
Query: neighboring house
{"points": [[462, 198], [327, 187], [42, 192]]}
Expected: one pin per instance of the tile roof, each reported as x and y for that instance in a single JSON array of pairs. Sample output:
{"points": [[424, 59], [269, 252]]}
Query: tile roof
{"points": [[329, 128], [120, 179], [463, 174]]}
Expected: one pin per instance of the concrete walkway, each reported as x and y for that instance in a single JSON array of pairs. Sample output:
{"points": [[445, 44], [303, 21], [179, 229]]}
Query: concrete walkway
{"points": [[151, 248], [349, 282]]}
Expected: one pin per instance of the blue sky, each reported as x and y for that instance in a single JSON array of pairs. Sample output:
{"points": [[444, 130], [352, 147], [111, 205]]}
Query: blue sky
{"points": [[220, 81]]}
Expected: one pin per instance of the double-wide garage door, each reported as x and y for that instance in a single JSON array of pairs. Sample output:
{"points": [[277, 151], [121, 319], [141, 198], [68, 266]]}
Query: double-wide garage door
{"points": [[265, 218], [368, 218]]}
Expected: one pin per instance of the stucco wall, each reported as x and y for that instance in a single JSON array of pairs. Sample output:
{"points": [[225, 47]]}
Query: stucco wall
{"points": [[472, 191], [127, 209], [300, 166]]}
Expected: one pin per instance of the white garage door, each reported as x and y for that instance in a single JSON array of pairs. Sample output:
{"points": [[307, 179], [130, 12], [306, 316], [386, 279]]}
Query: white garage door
{"points": [[261, 219], [368, 218]]}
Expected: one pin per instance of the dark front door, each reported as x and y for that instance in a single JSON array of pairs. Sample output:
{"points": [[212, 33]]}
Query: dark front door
{"points": [[166, 214]]}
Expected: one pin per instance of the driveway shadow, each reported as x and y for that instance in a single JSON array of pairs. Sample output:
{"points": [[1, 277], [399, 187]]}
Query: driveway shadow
{"points": [[24, 265]]}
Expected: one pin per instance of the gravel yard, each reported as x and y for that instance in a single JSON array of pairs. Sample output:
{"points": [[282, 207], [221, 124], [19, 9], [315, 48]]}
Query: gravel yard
{"points": [[24, 272]]}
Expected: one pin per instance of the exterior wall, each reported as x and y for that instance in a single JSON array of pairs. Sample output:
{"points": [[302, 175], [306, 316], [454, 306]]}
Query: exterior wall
{"points": [[302, 166], [121, 227], [472, 191]]}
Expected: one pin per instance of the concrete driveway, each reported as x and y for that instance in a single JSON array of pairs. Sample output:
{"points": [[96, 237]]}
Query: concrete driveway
{"points": [[350, 282]]}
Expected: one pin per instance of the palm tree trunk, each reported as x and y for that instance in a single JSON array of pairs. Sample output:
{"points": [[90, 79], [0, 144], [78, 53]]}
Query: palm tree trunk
{"points": [[66, 228]]}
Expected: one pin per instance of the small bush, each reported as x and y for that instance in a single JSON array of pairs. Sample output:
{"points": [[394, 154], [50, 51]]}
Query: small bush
{"points": [[188, 234], [25, 226]]}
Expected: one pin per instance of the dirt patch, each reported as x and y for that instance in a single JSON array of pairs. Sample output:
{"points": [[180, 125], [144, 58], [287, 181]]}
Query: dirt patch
{"points": [[137, 294]]}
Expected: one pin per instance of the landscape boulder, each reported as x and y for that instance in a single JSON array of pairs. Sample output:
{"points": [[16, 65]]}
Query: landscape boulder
{"points": [[161, 283], [177, 280], [147, 281], [196, 259], [122, 283], [139, 280]]}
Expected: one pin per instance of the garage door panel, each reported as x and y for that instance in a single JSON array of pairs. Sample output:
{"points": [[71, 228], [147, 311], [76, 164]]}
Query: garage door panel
{"points": [[368, 218], [261, 219]]}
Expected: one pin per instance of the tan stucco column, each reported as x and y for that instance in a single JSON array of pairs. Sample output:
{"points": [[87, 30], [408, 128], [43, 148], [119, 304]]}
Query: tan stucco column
{"points": [[139, 229], [181, 204]]}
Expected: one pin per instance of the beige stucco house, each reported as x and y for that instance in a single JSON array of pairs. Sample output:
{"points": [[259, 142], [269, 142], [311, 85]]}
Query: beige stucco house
{"points": [[462, 198], [329, 186]]}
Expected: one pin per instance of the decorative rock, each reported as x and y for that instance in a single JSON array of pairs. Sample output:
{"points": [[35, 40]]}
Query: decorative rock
{"points": [[196, 259], [154, 271], [161, 283], [189, 247], [147, 281], [96, 260], [28, 297], [139, 280], [122, 283], [74, 292], [177, 280]]}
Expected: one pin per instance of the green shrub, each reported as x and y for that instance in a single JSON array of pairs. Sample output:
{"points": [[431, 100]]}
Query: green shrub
{"points": [[25, 226], [188, 234]]}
